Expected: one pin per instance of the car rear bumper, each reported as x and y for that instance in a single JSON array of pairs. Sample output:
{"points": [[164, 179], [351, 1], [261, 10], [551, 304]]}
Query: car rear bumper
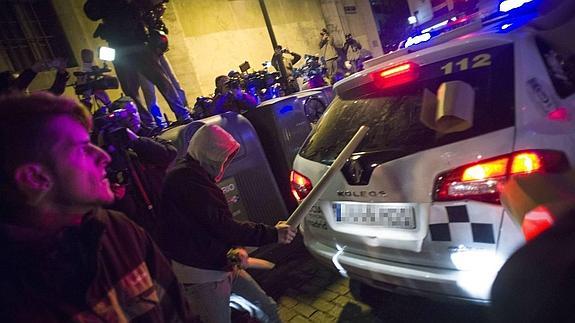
{"points": [[445, 284]]}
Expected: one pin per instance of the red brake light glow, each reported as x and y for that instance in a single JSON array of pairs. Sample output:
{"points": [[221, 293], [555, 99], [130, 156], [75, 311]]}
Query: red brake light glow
{"points": [[485, 170], [526, 163], [396, 75], [559, 114], [395, 70], [300, 185], [536, 221], [480, 181]]}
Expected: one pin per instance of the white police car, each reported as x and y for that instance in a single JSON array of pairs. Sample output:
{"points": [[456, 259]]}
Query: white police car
{"points": [[416, 208]]}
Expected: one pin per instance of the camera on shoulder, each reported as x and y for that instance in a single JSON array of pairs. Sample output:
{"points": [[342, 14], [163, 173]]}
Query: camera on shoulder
{"points": [[111, 123], [96, 79]]}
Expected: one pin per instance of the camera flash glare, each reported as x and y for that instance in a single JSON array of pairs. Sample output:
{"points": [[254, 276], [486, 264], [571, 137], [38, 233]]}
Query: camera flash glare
{"points": [[106, 53]]}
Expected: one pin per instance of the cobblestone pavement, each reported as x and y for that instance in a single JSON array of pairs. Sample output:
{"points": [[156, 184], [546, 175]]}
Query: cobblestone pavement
{"points": [[307, 291]]}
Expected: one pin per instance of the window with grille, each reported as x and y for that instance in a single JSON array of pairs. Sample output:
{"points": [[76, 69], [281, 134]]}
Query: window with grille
{"points": [[30, 32]]}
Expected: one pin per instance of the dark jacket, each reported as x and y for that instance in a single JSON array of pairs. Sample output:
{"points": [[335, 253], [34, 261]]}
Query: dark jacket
{"points": [[122, 24], [149, 159], [229, 102], [197, 228], [536, 283], [106, 269]]}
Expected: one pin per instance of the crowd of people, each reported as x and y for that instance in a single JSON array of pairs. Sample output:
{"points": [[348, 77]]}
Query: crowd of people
{"points": [[141, 66], [95, 225], [66, 258]]}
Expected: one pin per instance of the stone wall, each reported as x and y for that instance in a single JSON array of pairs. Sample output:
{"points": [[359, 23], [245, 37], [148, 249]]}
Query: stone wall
{"points": [[211, 37]]}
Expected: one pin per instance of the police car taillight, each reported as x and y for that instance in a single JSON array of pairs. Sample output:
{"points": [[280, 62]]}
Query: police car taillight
{"points": [[300, 185], [480, 181], [396, 75]]}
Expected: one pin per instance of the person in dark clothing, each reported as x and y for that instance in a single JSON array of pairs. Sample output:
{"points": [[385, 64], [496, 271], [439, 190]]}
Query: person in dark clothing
{"points": [[221, 85], [220, 91], [236, 99], [10, 84], [536, 283], [125, 30], [64, 259], [352, 50], [197, 230], [142, 160]]}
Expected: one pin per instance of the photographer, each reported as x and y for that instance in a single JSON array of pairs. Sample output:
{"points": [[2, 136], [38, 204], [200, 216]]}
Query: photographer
{"points": [[92, 81], [10, 84], [138, 48], [352, 49], [233, 98], [289, 59], [328, 53], [138, 162]]}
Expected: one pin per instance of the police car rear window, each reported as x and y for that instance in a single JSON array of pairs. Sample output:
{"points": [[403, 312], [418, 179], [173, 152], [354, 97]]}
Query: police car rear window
{"points": [[393, 116]]}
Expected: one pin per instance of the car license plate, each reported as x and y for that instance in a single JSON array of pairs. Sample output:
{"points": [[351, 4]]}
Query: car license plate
{"points": [[384, 215]]}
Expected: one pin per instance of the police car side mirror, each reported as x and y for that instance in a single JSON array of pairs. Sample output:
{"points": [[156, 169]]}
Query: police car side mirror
{"points": [[451, 110]]}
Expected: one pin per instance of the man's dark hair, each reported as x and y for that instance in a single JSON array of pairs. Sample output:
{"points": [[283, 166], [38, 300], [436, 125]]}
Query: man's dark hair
{"points": [[219, 79], [25, 136]]}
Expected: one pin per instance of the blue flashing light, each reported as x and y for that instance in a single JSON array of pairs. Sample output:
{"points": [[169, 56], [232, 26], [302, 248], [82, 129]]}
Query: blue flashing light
{"points": [[286, 109], [509, 5], [417, 39], [512, 23], [512, 14]]}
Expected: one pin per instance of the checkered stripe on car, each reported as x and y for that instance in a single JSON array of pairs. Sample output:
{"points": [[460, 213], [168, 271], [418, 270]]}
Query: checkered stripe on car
{"points": [[454, 223]]}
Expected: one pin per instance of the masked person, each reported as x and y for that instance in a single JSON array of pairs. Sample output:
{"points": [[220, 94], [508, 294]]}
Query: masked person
{"points": [[197, 230], [64, 257]]}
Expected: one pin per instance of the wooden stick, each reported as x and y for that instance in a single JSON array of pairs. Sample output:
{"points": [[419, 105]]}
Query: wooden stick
{"points": [[302, 210], [260, 263]]}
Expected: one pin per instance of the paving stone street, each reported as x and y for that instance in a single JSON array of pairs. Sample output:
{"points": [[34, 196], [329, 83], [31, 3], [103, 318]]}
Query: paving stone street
{"points": [[307, 291]]}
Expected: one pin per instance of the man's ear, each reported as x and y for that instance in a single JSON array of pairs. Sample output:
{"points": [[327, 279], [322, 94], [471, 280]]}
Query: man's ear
{"points": [[32, 177]]}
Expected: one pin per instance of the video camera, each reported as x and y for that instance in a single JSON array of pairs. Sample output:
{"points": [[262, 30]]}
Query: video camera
{"points": [[96, 79], [110, 123], [202, 108], [234, 83]]}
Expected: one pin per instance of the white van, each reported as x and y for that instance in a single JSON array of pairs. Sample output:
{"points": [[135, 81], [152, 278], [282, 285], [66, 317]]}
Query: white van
{"points": [[416, 208]]}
